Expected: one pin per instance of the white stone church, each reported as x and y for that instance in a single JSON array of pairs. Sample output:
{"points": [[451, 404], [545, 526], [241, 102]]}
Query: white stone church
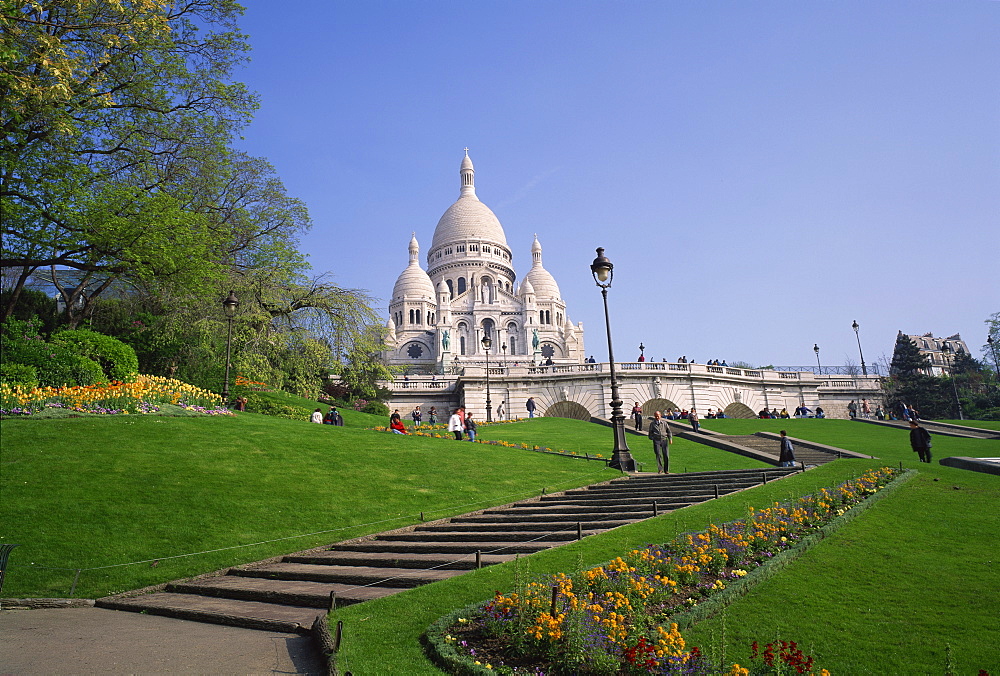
{"points": [[438, 317]]}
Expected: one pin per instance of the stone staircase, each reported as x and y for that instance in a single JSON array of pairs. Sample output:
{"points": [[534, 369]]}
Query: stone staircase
{"points": [[805, 452], [287, 595], [944, 429]]}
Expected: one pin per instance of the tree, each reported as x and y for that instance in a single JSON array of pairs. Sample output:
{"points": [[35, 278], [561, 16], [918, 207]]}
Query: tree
{"points": [[116, 120], [906, 358]]}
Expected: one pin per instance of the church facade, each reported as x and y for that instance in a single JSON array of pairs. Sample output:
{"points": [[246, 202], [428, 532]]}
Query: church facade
{"points": [[470, 290]]}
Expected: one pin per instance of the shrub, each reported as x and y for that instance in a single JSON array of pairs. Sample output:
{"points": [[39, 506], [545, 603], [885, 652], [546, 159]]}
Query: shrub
{"points": [[116, 359], [20, 375], [259, 404], [55, 364], [375, 408]]}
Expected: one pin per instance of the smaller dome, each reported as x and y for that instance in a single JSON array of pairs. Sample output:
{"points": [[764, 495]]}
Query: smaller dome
{"points": [[540, 279], [526, 288], [413, 282]]}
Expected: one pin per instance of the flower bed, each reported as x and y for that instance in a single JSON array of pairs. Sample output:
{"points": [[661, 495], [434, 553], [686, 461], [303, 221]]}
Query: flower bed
{"points": [[144, 395], [623, 617]]}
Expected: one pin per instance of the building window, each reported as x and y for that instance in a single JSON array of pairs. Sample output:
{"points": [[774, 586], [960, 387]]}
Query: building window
{"points": [[451, 288], [461, 285], [513, 345], [473, 247], [460, 248], [461, 345], [414, 350], [411, 317], [418, 317], [486, 249], [447, 251]]}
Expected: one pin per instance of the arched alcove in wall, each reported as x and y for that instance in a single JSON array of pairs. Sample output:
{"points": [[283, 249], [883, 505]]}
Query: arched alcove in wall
{"points": [[738, 410], [567, 409], [655, 405]]}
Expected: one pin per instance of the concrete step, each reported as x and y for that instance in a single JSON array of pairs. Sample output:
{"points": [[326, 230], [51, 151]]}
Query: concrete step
{"points": [[527, 521], [285, 592], [603, 502], [652, 491], [515, 523], [399, 560], [566, 533], [231, 612], [405, 578], [451, 547]]}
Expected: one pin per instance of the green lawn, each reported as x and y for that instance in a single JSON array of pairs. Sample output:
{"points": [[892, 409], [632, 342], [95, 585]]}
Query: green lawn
{"points": [[584, 437], [86, 493], [983, 424], [91, 492], [884, 595]]}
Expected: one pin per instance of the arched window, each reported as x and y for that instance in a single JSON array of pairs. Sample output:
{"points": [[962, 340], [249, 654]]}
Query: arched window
{"points": [[461, 345], [541, 316], [461, 285], [418, 317], [411, 316], [451, 288], [513, 344], [488, 330]]}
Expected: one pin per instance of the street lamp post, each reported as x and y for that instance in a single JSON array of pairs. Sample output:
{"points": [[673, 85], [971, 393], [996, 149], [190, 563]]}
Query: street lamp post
{"points": [[621, 458], [503, 347], [229, 306], [864, 369], [819, 368], [946, 348], [487, 344]]}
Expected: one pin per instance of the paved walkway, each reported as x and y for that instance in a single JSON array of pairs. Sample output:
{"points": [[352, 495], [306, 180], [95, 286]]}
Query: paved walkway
{"points": [[97, 641]]}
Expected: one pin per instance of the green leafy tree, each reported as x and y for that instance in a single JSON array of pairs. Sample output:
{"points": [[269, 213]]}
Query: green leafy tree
{"points": [[117, 119]]}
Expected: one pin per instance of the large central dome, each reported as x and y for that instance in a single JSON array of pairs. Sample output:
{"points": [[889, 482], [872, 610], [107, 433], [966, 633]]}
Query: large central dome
{"points": [[468, 218]]}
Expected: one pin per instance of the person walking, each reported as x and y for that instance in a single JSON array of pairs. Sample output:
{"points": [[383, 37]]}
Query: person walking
{"points": [[852, 410], [920, 441], [455, 425], [530, 405], [662, 437], [786, 458], [693, 419], [637, 416], [500, 409], [470, 427]]}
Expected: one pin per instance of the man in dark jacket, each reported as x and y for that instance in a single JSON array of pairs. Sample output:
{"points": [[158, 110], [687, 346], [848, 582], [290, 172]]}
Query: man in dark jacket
{"points": [[920, 441], [659, 433]]}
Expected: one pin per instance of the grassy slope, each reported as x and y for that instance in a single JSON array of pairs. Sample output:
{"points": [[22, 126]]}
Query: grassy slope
{"points": [[882, 596], [984, 424], [584, 437], [93, 492]]}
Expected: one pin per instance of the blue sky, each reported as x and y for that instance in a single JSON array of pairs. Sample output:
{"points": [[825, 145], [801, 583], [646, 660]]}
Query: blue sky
{"points": [[761, 173]]}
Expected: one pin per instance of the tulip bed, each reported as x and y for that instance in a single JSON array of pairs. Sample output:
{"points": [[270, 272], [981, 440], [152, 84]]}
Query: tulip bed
{"points": [[620, 618], [144, 395]]}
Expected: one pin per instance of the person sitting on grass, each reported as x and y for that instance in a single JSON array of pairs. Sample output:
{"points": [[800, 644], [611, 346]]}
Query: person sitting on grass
{"points": [[316, 417], [398, 427]]}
